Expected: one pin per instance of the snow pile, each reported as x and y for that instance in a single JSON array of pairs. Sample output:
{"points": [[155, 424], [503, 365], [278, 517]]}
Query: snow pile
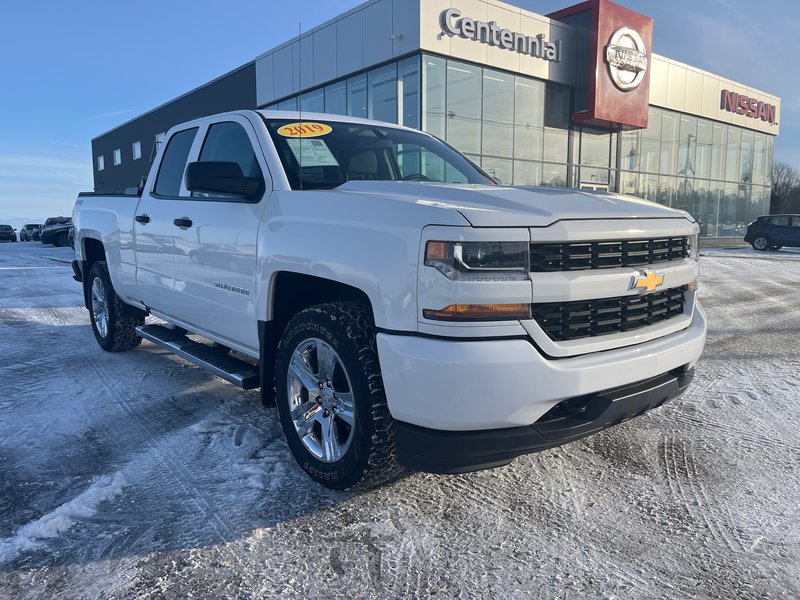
{"points": [[52, 524]]}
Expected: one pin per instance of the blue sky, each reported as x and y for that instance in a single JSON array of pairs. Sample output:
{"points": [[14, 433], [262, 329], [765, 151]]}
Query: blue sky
{"points": [[70, 71]]}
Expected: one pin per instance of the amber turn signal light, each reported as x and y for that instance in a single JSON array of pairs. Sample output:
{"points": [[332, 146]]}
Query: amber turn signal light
{"points": [[479, 312]]}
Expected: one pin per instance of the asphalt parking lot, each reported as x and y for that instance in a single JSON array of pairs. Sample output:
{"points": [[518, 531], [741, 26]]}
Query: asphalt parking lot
{"points": [[138, 475]]}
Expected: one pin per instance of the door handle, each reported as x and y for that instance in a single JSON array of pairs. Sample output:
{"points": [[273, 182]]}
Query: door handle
{"points": [[183, 223], [143, 219]]}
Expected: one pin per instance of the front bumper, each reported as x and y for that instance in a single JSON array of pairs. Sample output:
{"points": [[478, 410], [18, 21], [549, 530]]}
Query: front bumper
{"points": [[438, 451], [497, 383]]}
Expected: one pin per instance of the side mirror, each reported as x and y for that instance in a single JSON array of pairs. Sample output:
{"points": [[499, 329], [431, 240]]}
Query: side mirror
{"points": [[218, 177]]}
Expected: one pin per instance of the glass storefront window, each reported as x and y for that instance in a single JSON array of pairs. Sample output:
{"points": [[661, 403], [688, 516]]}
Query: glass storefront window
{"points": [[685, 195], [498, 114], [759, 159], [554, 175], [408, 92], [629, 183], [667, 190], [556, 122], [727, 211], [313, 101], [746, 158], [527, 173], [704, 144], [336, 98], [528, 119], [433, 97], [382, 95], [719, 141], [651, 143], [593, 177], [288, 104], [499, 168], [357, 96], [648, 186], [703, 208], [669, 143], [687, 146], [595, 147], [631, 150], [464, 106], [732, 153]]}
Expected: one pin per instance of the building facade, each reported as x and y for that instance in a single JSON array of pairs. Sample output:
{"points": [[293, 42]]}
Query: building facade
{"points": [[573, 99]]}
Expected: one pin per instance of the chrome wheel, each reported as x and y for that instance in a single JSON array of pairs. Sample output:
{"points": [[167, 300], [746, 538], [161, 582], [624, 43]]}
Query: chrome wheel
{"points": [[320, 400], [99, 307], [760, 243]]}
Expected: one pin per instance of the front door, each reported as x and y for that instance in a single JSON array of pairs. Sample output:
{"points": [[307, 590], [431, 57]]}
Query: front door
{"points": [[215, 243]]}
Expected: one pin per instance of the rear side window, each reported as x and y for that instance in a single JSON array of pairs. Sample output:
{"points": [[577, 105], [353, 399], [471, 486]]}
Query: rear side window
{"points": [[795, 221], [173, 164], [784, 221], [228, 142]]}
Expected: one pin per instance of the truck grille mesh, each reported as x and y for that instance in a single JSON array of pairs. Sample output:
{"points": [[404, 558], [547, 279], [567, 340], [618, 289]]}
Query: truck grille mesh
{"points": [[589, 318], [575, 256]]}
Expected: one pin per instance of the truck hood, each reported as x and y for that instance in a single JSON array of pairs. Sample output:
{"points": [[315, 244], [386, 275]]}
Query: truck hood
{"points": [[500, 206]]}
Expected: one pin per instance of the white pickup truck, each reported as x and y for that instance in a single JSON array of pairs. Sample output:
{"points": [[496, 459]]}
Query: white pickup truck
{"points": [[399, 306]]}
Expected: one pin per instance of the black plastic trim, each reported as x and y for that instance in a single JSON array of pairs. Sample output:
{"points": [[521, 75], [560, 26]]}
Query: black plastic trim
{"points": [[438, 451]]}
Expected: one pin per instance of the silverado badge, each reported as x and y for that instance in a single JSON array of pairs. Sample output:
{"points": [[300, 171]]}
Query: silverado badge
{"points": [[649, 282]]}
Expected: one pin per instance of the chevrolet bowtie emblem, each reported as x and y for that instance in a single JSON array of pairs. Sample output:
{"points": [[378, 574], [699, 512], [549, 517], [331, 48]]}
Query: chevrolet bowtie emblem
{"points": [[649, 282]]}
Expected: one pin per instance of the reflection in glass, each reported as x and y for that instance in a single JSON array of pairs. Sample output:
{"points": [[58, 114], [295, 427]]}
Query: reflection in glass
{"points": [[669, 143], [705, 141], [651, 143], [732, 154], [595, 147], [687, 146], [357, 96], [527, 173], [336, 98], [464, 106], [382, 96], [433, 82], [499, 168], [667, 190], [313, 101], [746, 157], [498, 114], [554, 175], [719, 139], [408, 92], [528, 118], [631, 150]]}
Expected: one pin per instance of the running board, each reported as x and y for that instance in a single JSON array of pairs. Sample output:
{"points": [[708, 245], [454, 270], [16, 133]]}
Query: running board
{"points": [[215, 360]]}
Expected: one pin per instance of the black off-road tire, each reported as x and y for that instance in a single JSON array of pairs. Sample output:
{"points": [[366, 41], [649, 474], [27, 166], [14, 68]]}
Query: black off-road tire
{"points": [[121, 331], [349, 329]]}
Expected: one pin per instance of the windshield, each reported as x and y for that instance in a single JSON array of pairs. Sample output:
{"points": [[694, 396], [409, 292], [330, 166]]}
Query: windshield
{"points": [[326, 154], [6, 228]]}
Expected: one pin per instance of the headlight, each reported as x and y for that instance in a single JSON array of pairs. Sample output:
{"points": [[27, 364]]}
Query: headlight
{"points": [[694, 246], [479, 261]]}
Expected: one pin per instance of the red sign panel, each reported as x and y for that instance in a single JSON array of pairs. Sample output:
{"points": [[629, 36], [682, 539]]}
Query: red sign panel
{"points": [[619, 61]]}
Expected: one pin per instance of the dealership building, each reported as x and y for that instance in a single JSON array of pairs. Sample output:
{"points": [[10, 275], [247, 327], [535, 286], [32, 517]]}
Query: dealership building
{"points": [[575, 98]]}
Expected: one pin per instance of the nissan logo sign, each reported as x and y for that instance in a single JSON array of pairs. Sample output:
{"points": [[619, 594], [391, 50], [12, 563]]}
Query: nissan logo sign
{"points": [[626, 56]]}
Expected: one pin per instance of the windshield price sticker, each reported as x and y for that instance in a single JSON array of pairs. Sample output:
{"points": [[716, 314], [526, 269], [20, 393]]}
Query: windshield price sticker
{"points": [[304, 129], [312, 153]]}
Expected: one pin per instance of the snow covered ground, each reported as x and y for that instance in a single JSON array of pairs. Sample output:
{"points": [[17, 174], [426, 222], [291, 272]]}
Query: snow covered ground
{"points": [[138, 475]]}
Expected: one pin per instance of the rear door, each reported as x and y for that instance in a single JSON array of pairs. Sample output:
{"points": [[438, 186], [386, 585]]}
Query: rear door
{"points": [[794, 238], [215, 246], [153, 226]]}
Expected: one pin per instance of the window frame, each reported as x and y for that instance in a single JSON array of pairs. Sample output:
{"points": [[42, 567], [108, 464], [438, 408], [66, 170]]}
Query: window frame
{"points": [[117, 156], [100, 162], [136, 150]]}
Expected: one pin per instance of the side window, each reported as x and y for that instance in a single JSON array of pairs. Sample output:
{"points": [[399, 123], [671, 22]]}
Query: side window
{"points": [[173, 164], [796, 221], [228, 142], [782, 221]]}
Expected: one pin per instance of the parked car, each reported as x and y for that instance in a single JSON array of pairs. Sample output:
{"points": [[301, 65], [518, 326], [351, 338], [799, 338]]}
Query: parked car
{"points": [[773, 232], [26, 233], [35, 235], [56, 231], [8, 233]]}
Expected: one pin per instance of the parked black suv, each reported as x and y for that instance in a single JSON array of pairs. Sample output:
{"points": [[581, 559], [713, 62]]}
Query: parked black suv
{"points": [[773, 232], [56, 231]]}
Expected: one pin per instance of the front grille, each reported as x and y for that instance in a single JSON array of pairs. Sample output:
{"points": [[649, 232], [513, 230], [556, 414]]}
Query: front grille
{"points": [[576, 256], [589, 318]]}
